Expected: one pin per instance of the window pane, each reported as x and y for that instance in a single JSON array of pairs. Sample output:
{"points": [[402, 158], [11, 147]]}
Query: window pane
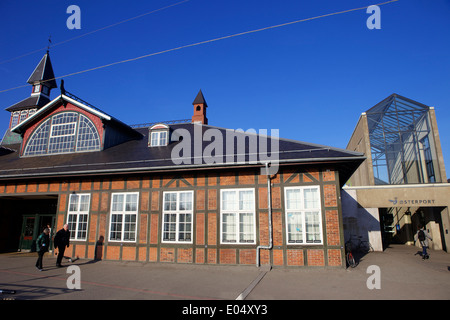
{"points": [[185, 201], [229, 201], [162, 138], [155, 139], [312, 225], [116, 227], [82, 226], [88, 137], [228, 227], [293, 201], [129, 233], [170, 201], [131, 204], [246, 200], [73, 206], [37, 144], [62, 133], [72, 222], [295, 228], [117, 202], [184, 228], [84, 203], [169, 233], [311, 198], [246, 227]]}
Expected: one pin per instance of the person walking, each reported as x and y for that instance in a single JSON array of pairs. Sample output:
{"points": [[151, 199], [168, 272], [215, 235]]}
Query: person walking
{"points": [[62, 240], [423, 236], [42, 244]]}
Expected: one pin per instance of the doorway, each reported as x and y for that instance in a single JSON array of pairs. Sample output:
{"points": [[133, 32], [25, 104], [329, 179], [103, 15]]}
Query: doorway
{"points": [[32, 227]]}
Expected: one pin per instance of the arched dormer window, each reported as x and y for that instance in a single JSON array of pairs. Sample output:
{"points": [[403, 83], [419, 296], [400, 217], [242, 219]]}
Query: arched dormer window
{"points": [[64, 132], [158, 135]]}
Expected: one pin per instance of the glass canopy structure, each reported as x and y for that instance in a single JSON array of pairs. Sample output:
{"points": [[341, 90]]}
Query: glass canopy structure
{"points": [[401, 142]]}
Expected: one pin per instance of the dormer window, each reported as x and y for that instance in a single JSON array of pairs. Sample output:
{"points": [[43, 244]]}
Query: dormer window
{"points": [[159, 135]]}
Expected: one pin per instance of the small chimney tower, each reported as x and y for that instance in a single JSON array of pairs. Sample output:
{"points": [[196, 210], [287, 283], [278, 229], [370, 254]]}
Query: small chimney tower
{"points": [[200, 109]]}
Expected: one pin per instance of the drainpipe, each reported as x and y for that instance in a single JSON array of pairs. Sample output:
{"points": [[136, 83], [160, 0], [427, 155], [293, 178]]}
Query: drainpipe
{"points": [[269, 207]]}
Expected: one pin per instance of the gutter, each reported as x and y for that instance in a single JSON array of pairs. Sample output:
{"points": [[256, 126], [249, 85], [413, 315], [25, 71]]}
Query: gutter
{"points": [[152, 169], [269, 207]]}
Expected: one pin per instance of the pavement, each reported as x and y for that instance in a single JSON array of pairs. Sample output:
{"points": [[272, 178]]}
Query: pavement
{"points": [[399, 274]]}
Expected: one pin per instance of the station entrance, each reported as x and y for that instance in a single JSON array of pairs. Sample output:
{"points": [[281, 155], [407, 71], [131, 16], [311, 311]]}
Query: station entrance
{"points": [[391, 214], [22, 220], [398, 225]]}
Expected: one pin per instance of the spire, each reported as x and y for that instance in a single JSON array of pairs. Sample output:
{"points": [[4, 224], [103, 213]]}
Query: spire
{"points": [[200, 109], [200, 99], [43, 73]]}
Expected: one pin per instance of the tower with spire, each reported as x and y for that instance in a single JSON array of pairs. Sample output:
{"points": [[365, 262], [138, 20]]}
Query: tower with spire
{"points": [[42, 81], [200, 109]]}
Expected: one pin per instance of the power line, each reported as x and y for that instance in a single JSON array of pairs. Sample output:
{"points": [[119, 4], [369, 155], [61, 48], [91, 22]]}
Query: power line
{"points": [[206, 41], [94, 31]]}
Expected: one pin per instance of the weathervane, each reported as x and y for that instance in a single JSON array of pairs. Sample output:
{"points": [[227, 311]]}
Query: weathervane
{"points": [[49, 42]]}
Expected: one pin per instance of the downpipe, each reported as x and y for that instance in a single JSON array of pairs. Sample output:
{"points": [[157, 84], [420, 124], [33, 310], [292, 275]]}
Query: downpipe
{"points": [[269, 207]]}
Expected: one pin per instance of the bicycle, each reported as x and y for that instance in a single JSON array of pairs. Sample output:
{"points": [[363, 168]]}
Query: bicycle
{"points": [[349, 255], [363, 246]]}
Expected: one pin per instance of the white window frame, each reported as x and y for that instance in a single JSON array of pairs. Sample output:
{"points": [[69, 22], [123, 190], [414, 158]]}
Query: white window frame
{"points": [[301, 212], [235, 215], [177, 212], [123, 213], [78, 213], [159, 142], [54, 126]]}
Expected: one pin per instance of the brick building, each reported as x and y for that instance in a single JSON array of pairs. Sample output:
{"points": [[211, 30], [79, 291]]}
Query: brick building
{"points": [[167, 192]]}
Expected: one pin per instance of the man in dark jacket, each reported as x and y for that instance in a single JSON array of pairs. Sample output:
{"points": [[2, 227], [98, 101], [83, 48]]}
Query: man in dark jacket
{"points": [[42, 244], [62, 239]]}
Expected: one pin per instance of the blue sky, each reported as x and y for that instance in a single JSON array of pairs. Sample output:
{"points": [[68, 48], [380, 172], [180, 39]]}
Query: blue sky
{"points": [[310, 80]]}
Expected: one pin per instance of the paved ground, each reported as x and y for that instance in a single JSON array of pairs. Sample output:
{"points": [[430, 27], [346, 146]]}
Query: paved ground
{"points": [[403, 275]]}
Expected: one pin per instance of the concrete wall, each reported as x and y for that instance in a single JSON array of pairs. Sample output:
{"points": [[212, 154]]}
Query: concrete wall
{"points": [[359, 221]]}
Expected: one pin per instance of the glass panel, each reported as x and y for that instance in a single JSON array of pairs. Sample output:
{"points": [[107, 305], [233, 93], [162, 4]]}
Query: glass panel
{"points": [[246, 227], [88, 138], [312, 225], [229, 201], [311, 198], [117, 202], [73, 206], [39, 140], [246, 200], [131, 202], [229, 227], [293, 199]]}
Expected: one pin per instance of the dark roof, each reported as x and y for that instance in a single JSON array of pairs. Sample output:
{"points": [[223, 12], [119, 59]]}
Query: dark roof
{"points": [[43, 73], [135, 156], [37, 101], [200, 99]]}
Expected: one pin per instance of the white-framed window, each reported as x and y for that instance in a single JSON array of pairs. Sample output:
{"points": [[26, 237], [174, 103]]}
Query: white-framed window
{"points": [[237, 216], [64, 132], [159, 138], [123, 219], [15, 119], [78, 216], [177, 216], [23, 115], [303, 215]]}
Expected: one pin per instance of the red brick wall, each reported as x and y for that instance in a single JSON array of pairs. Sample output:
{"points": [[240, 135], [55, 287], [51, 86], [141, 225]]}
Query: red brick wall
{"points": [[206, 247]]}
